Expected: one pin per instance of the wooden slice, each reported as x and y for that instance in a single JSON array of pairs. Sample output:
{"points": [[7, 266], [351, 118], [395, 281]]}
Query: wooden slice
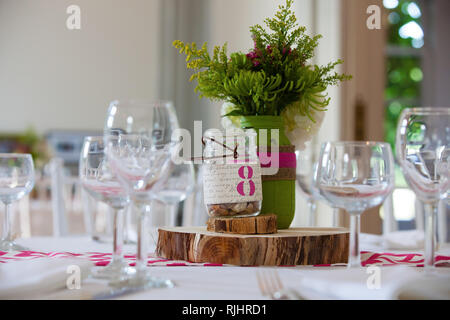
{"points": [[296, 246], [262, 224]]}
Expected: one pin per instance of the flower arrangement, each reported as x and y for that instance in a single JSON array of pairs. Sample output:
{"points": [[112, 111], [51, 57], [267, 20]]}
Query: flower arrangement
{"points": [[26, 142], [273, 79]]}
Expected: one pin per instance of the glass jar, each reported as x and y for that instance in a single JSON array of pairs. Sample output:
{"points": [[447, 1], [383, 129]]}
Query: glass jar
{"points": [[232, 174]]}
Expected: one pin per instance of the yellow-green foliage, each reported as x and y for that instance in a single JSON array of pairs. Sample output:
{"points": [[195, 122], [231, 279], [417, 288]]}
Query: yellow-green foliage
{"points": [[272, 76]]}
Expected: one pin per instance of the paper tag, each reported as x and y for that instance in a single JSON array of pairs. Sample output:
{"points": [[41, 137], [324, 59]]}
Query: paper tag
{"points": [[232, 183]]}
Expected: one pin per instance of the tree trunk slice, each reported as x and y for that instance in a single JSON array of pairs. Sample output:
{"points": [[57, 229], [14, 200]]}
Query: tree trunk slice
{"points": [[297, 246], [262, 224]]}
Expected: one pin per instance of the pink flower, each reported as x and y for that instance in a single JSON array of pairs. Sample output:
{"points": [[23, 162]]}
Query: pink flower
{"points": [[256, 63], [252, 55], [285, 50]]}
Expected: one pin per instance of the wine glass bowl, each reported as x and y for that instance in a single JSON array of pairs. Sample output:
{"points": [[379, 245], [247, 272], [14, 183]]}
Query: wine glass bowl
{"points": [[304, 169], [154, 120], [138, 163], [179, 184], [423, 150], [176, 188], [16, 180], [15, 177], [355, 176], [96, 176], [304, 172]]}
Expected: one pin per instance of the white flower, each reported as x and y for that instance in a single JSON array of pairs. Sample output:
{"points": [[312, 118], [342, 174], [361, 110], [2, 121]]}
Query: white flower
{"points": [[230, 121], [304, 130], [301, 129]]}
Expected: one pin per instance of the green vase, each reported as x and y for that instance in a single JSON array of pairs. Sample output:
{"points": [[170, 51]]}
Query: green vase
{"points": [[278, 195]]}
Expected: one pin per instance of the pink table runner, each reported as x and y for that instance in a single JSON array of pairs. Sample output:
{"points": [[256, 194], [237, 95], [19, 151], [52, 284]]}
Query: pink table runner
{"points": [[102, 259]]}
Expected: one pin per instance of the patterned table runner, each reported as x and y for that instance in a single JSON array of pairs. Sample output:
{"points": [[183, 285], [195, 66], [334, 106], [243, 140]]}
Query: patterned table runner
{"points": [[102, 259]]}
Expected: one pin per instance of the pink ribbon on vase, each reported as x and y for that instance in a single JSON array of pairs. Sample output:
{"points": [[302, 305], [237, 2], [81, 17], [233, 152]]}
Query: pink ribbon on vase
{"points": [[285, 159]]}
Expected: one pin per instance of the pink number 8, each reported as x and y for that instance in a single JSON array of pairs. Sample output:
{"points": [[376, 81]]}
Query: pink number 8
{"points": [[240, 186]]}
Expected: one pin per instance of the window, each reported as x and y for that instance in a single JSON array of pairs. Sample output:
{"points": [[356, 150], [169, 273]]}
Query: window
{"points": [[404, 55]]}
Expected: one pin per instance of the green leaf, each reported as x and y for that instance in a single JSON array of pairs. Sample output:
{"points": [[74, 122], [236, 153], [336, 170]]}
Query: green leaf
{"points": [[234, 113]]}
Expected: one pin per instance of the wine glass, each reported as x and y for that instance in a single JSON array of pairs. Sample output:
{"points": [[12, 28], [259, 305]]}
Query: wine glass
{"points": [[99, 181], [181, 181], [317, 195], [305, 174], [355, 176], [16, 180], [139, 149], [423, 151], [304, 170], [176, 188]]}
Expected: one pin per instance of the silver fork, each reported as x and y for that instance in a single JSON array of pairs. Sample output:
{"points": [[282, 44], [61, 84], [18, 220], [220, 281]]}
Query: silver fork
{"points": [[270, 285]]}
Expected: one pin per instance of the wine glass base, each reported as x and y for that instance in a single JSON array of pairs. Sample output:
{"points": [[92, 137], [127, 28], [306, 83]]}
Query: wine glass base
{"points": [[113, 271], [141, 280], [429, 270], [6, 245], [355, 266]]}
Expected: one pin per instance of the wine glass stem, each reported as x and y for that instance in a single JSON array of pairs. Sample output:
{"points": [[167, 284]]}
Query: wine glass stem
{"points": [[7, 225], [312, 212], [142, 254], [335, 221], [354, 257], [171, 217], [118, 216], [430, 233]]}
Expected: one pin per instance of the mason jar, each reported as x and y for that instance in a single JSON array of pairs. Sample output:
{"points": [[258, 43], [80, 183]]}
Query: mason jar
{"points": [[231, 174]]}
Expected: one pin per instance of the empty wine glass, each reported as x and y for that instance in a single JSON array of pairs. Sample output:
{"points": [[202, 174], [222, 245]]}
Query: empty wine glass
{"points": [[139, 148], [317, 195], [176, 188], [16, 181], [305, 174], [423, 151], [181, 181], [304, 171], [99, 181], [355, 176]]}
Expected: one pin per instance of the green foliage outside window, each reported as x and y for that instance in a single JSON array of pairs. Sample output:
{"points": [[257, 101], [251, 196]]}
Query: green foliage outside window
{"points": [[403, 65]]}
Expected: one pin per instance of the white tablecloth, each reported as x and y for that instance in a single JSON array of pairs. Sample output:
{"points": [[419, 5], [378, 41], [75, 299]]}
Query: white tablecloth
{"points": [[205, 283]]}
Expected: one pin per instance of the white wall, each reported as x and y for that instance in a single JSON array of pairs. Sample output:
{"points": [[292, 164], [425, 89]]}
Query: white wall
{"points": [[51, 77]]}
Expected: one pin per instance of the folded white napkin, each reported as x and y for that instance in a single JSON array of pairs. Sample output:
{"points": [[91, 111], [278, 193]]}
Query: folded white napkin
{"points": [[409, 239], [32, 278], [396, 282], [397, 240]]}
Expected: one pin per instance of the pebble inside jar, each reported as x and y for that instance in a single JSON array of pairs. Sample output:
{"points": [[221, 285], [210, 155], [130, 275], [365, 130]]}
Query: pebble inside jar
{"points": [[232, 175]]}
